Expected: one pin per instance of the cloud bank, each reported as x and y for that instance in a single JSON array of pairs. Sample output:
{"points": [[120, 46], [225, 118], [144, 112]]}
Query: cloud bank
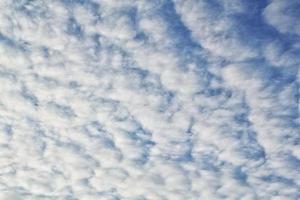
{"points": [[149, 100]]}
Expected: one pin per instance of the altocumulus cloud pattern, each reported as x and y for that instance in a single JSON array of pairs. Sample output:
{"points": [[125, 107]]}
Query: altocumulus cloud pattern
{"points": [[149, 99]]}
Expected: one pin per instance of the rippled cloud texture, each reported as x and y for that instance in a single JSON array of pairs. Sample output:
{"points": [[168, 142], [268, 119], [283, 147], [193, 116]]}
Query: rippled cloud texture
{"points": [[149, 99]]}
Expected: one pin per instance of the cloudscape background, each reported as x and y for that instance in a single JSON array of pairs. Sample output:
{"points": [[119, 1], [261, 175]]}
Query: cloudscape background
{"points": [[149, 99]]}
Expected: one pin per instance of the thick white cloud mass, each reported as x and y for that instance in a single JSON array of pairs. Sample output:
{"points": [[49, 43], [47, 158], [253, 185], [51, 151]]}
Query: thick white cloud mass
{"points": [[149, 100]]}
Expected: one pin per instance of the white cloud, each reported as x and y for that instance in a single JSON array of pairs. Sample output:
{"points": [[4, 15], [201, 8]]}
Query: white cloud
{"points": [[116, 100], [283, 16], [212, 26]]}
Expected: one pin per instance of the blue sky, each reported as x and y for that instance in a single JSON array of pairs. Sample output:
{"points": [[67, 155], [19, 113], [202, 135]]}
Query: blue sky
{"points": [[149, 99]]}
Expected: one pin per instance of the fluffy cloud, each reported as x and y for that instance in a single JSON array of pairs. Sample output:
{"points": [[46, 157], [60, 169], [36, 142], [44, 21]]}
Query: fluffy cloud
{"points": [[149, 100], [214, 25], [284, 16]]}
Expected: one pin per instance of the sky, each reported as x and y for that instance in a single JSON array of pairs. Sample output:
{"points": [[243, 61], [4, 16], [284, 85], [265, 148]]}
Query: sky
{"points": [[149, 100]]}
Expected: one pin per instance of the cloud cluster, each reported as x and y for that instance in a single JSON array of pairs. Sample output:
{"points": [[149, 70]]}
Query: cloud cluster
{"points": [[156, 100]]}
